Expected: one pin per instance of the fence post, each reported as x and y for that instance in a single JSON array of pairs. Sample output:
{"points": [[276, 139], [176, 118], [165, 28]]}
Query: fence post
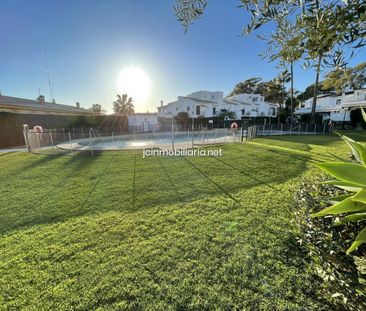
{"points": [[281, 129], [298, 131], [314, 129], [114, 148], [26, 136], [51, 138], [290, 129], [70, 144], [188, 138], [324, 129], [90, 144], [307, 125]]}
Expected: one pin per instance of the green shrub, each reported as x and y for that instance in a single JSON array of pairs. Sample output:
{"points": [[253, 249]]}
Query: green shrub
{"points": [[344, 276], [351, 177]]}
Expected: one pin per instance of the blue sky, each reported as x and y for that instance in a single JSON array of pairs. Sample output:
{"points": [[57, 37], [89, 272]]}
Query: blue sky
{"points": [[90, 42]]}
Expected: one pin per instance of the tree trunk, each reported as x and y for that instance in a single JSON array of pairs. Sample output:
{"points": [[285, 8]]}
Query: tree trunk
{"points": [[292, 90], [313, 106], [283, 94]]}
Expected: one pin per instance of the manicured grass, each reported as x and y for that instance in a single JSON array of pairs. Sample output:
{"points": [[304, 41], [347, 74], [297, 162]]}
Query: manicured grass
{"points": [[118, 232]]}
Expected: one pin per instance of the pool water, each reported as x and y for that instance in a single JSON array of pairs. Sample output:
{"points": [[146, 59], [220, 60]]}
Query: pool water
{"points": [[140, 141]]}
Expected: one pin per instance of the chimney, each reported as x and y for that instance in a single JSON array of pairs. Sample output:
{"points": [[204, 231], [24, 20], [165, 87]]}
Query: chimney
{"points": [[161, 103], [77, 105], [40, 99]]}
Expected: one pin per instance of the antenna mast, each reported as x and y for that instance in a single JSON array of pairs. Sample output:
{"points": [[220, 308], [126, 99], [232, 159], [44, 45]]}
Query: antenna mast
{"points": [[48, 77]]}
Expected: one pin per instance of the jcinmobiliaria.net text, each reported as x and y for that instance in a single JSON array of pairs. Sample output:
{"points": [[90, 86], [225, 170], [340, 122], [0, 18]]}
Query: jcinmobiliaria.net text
{"points": [[182, 153]]}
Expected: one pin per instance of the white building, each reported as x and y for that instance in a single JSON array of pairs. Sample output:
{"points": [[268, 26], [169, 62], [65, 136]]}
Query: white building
{"points": [[211, 104], [250, 106], [142, 122], [335, 108]]}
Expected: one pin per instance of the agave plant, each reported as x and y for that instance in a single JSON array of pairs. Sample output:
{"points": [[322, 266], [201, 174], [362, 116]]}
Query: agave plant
{"points": [[352, 178]]}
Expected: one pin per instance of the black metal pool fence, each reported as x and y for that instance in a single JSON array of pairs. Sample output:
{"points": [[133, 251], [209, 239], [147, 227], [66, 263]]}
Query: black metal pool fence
{"points": [[92, 141]]}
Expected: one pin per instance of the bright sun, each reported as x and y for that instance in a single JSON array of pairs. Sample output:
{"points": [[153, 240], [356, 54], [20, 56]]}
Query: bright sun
{"points": [[134, 82]]}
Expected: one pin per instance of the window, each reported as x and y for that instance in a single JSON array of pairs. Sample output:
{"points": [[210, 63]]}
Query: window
{"points": [[338, 102], [198, 110], [188, 108], [176, 109], [243, 111], [213, 97], [255, 99], [214, 110]]}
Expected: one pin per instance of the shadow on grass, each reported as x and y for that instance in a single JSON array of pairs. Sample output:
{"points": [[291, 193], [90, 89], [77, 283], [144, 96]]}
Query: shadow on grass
{"points": [[74, 165], [211, 180], [312, 156], [239, 170], [306, 140], [77, 163], [214, 180]]}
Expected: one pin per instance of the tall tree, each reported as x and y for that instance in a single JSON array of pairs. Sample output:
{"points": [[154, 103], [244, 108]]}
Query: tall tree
{"points": [[271, 90], [285, 45], [249, 86], [283, 78], [123, 105], [96, 108], [340, 78], [309, 91]]}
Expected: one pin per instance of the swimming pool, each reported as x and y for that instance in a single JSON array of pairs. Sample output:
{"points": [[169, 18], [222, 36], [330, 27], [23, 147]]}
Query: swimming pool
{"points": [[152, 140]]}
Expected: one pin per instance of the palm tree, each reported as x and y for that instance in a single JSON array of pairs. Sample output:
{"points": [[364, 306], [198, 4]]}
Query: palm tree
{"points": [[123, 105], [283, 78]]}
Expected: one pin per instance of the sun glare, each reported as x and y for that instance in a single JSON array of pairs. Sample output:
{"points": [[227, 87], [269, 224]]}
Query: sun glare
{"points": [[134, 82]]}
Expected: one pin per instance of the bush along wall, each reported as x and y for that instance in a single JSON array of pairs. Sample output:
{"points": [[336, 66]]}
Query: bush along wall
{"points": [[344, 276], [11, 124]]}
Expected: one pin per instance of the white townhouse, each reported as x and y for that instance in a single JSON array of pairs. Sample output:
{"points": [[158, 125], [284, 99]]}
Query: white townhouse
{"points": [[335, 108], [208, 104], [142, 122], [250, 106]]}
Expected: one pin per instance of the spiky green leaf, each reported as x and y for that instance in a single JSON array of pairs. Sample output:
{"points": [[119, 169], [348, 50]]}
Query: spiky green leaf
{"points": [[361, 238], [354, 217], [358, 150], [364, 114], [340, 198], [360, 196], [345, 206], [349, 172], [343, 185]]}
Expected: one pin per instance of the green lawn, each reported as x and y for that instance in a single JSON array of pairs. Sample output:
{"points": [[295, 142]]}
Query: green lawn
{"points": [[118, 232]]}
